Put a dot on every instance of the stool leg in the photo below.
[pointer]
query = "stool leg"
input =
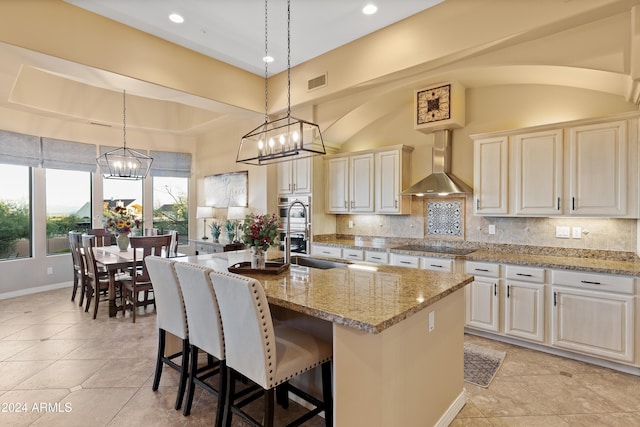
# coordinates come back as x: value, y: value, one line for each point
x: 161, y: 343
x: 282, y: 395
x: 192, y: 384
x: 184, y: 371
x: 327, y: 394
x: 268, y: 408
x: 222, y: 394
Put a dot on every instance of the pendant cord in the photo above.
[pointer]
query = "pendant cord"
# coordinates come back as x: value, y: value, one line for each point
x: 288, y: 58
x: 266, y: 63
x: 124, y: 119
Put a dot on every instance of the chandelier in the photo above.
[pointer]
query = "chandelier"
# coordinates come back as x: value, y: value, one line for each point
x: 282, y: 139
x: 124, y: 163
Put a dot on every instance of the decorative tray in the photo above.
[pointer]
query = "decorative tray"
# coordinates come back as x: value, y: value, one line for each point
x: 269, y: 268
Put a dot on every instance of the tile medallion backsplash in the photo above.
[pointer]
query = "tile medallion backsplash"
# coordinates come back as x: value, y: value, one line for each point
x: 444, y: 218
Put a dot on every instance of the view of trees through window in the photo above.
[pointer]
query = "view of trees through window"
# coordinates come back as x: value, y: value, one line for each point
x: 171, y: 206
x: 68, y: 199
x: 15, y: 212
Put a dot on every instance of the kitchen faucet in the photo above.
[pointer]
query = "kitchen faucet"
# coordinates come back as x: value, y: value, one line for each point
x: 287, y: 238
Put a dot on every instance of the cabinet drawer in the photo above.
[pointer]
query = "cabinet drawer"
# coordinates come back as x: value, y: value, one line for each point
x: 599, y: 282
x: 327, y: 251
x: 377, y: 257
x: 486, y: 269
x: 437, y: 264
x: 406, y: 260
x: 353, y: 254
x: 525, y: 274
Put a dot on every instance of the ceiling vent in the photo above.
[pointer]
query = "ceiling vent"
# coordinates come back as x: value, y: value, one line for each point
x: 317, y: 82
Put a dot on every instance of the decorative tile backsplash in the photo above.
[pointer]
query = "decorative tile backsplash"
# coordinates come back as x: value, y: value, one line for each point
x: 604, y: 234
x: 444, y: 218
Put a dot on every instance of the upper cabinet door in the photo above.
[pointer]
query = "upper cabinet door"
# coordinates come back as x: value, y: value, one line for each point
x: 538, y: 173
x: 388, y: 182
x: 284, y: 177
x: 361, y: 183
x: 598, y: 169
x: 490, y: 176
x: 301, y: 175
x: 337, y: 184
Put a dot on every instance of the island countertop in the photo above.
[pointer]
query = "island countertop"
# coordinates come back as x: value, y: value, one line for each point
x: 360, y: 296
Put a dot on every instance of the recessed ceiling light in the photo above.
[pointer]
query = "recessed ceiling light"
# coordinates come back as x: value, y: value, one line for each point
x: 267, y: 59
x: 177, y: 18
x: 370, y: 9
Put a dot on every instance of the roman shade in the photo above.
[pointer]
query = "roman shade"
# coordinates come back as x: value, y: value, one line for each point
x: 171, y: 164
x: 69, y: 155
x: 19, y: 149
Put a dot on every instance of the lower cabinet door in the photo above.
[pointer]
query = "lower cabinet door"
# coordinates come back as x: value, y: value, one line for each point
x: 482, y: 304
x: 524, y: 310
x: 596, y: 323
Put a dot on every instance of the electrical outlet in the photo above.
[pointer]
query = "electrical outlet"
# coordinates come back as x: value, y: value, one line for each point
x: 350, y: 225
x: 576, y: 232
x: 49, y: 270
x: 562, y: 232
x: 432, y: 321
x: 492, y: 229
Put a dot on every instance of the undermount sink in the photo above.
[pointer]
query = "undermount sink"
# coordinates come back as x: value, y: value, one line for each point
x: 321, y: 264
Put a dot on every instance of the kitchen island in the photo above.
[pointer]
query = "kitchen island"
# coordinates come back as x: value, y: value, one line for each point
x: 398, y: 336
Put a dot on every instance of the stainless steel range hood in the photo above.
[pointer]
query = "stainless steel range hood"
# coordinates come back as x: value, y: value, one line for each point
x: 441, y: 182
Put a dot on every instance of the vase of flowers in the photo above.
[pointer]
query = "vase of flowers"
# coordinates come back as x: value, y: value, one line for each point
x: 121, y: 221
x: 260, y: 232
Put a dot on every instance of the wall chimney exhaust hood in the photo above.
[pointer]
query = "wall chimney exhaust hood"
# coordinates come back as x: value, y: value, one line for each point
x: 441, y: 182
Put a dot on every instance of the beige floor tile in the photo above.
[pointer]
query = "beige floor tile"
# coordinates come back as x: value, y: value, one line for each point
x: 113, y: 348
x: 23, y: 407
x: 61, y: 374
x: 13, y: 373
x: 121, y: 373
x: 6, y: 330
x: 151, y: 408
x: 37, y: 332
x: 470, y: 410
x: 10, y: 348
x: 623, y: 389
x: 603, y: 420
x: 89, y: 407
x: 529, y: 421
x: 506, y: 397
x: 47, y: 350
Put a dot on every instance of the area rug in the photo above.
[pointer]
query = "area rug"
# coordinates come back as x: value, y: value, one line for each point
x: 481, y: 364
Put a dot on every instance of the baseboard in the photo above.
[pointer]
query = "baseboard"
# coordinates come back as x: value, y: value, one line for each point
x: 29, y: 291
x: 455, y: 408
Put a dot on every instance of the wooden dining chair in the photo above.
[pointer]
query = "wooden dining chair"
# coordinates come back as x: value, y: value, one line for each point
x: 97, y: 281
x: 103, y: 237
x: 79, y: 269
x: 139, y: 281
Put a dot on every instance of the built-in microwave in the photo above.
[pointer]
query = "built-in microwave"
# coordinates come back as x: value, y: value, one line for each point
x: 297, y: 216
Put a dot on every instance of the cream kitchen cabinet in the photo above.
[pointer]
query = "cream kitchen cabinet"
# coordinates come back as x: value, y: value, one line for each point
x: 482, y: 296
x: 294, y: 176
x: 593, y: 314
x: 350, y: 184
x: 578, y: 168
x: 537, y: 169
x: 490, y: 175
x: 392, y: 175
x: 524, y: 309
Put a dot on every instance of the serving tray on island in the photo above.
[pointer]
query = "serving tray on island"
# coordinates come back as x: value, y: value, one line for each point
x: 269, y: 268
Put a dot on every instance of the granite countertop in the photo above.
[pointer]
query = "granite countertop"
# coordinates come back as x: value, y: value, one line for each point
x: 359, y: 296
x: 594, y: 261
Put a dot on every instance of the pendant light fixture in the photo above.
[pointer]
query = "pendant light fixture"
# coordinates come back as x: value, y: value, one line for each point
x: 286, y: 138
x: 124, y: 163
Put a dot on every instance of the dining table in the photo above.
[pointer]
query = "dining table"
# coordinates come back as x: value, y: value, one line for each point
x: 114, y: 260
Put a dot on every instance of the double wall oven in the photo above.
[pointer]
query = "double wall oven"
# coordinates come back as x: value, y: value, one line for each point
x: 297, y: 216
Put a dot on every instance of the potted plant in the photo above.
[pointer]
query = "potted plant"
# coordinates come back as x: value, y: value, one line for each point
x: 215, y: 230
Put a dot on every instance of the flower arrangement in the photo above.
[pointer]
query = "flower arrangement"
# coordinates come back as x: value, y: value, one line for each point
x: 260, y: 231
x: 120, y: 220
x: 215, y: 229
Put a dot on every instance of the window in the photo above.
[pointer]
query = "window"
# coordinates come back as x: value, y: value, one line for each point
x: 171, y: 206
x: 68, y: 200
x: 15, y: 212
x: 127, y: 192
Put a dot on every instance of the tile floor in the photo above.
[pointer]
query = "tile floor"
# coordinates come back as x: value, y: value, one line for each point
x: 71, y: 370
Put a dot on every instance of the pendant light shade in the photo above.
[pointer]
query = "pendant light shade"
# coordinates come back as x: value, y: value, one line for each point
x: 124, y: 163
x: 286, y: 138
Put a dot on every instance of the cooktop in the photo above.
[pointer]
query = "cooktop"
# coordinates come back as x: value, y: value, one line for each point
x: 437, y: 249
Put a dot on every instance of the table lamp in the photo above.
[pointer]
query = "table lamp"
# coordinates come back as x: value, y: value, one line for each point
x: 204, y: 212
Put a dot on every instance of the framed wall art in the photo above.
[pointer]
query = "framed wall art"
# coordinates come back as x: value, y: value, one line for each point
x: 226, y: 189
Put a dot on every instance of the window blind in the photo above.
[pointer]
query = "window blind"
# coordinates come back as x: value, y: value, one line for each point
x: 172, y: 164
x: 19, y: 149
x: 69, y: 155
